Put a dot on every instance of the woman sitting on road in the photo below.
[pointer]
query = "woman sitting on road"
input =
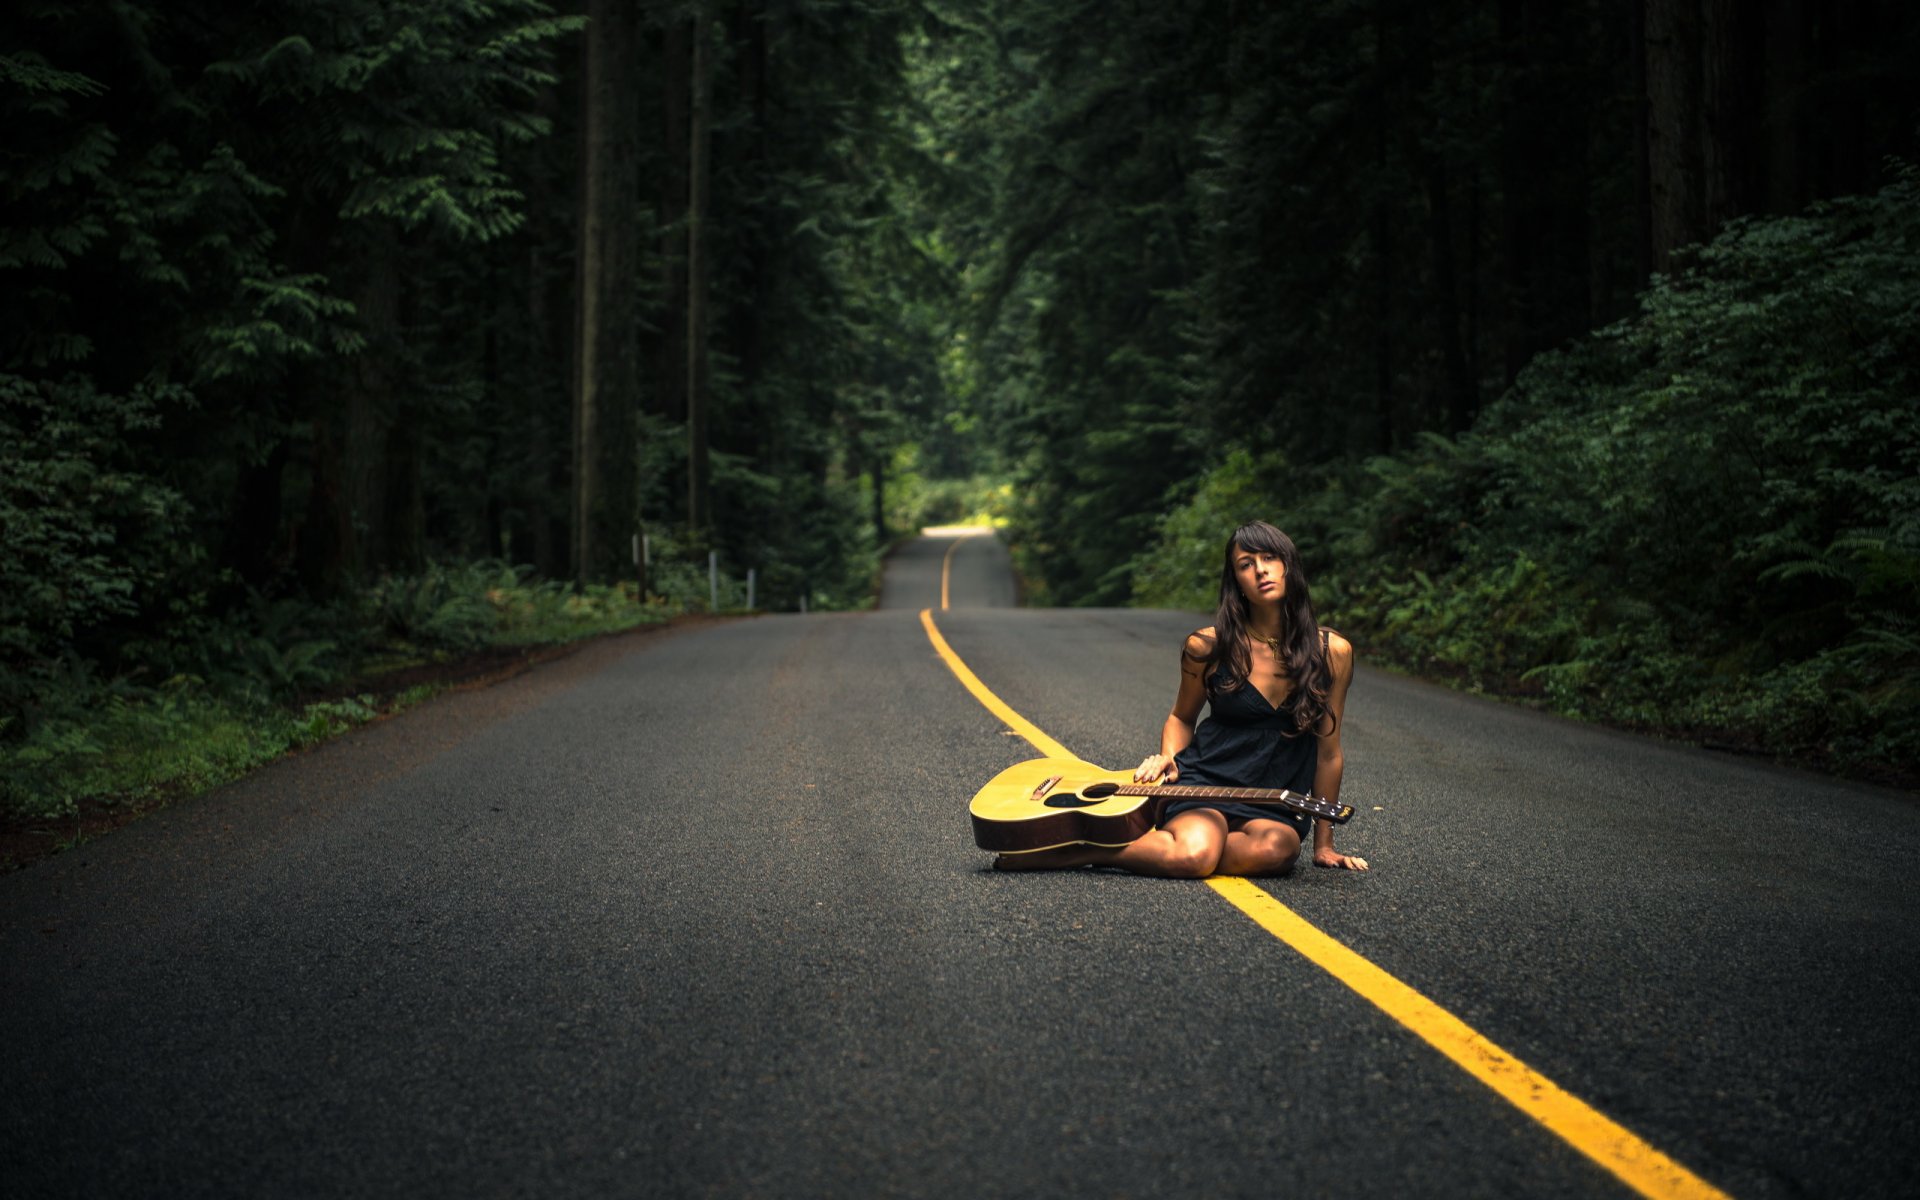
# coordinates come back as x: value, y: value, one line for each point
x: 1276, y: 685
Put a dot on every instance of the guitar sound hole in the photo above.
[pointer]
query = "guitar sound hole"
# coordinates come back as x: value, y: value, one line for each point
x: 1087, y: 796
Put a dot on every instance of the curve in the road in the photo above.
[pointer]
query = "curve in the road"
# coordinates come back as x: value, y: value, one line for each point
x: 948, y: 567
x: 1606, y: 1142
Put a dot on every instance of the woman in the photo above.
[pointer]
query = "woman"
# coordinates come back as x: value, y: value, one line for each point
x: 1276, y: 685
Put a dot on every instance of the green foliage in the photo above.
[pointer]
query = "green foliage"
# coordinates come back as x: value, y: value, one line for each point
x: 915, y: 500
x: 1706, y: 517
x: 529, y: 611
x: 450, y: 608
x: 116, y: 742
x: 121, y: 746
x: 287, y: 340
x: 86, y: 536
x: 444, y: 606
x: 1072, y: 240
x: 1183, y: 568
x: 328, y: 718
x: 413, y: 100
x: 831, y: 299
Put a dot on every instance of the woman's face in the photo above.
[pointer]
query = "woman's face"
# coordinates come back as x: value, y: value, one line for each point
x: 1262, y: 576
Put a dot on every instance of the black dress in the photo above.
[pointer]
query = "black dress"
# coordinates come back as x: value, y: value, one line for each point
x: 1246, y: 742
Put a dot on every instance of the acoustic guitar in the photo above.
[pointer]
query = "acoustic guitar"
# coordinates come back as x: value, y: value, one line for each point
x: 1044, y: 803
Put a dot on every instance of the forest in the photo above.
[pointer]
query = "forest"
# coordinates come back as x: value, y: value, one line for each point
x: 1577, y: 344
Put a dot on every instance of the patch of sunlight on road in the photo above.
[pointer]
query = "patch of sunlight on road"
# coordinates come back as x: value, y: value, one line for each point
x: 955, y: 530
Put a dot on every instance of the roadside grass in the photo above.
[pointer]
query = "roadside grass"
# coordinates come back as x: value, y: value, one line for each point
x: 137, y: 752
x: 279, y: 680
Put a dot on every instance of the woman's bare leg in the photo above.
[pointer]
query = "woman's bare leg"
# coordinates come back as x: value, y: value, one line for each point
x: 1260, y: 848
x: 1187, y: 847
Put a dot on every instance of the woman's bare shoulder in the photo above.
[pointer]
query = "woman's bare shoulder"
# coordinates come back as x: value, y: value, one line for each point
x: 1339, y: 649
x: 1199, y: 643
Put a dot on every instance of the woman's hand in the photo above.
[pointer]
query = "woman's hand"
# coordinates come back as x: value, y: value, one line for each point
x: 1156, y: 767
x: 1333, y: 858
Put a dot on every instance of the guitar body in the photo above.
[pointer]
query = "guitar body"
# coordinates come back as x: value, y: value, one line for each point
x: 1008, y: 819
x: 1045, y: 803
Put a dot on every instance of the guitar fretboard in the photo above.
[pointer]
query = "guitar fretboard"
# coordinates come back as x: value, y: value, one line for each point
x: 1281, y: 797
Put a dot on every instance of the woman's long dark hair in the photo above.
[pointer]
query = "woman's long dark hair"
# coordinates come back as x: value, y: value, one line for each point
x: 1300, y: 645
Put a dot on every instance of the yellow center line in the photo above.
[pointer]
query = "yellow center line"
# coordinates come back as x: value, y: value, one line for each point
x: 995, y: 705
x: 946, y: 573
x: 1608, y: 1144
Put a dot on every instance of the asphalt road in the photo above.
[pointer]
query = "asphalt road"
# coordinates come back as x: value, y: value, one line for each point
x: 697, y: 913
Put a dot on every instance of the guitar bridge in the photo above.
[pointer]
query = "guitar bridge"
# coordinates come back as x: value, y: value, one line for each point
x: 1046, y: 785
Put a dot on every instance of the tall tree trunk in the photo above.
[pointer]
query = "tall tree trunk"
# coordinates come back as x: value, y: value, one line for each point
x: 253, y: 525
x: 529, y: 536
x: 406, y: 515
x: 371, y: 403
x: 540, y: 537
x: 1462, y: 399
x: 765, y: 434
x: 1519, y: 182
x: 1611, y: 193
x: 406, y: 498
x: 1642, y: 147
x: 1475, y: 357
x: 582, y: 430
x: 877, y: 469
x: 317, y: 539
x: 1546, y: 122
x: 1784, y: 133
x: 505, y: 486
x: 1844, y: 39
x: 1731, y: 48
x: 1676, y: 184
x: 676, y: 94
x: 607, y: 407
x: 1423, y: 140
x: 699, y: 390
x: 1572, y: 285
x: 1704, y: 99
x: 325, y: 537
x: 756, y: 82
x: 1385, y: 428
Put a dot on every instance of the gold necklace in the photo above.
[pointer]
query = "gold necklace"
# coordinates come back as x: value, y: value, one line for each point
x: 1273, y: 646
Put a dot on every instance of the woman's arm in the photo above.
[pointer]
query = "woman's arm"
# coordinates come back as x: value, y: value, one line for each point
x: 1332, y: 764
x: 1176, y: 734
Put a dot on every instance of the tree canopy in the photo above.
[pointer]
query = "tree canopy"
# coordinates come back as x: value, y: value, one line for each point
x: 310, y: 303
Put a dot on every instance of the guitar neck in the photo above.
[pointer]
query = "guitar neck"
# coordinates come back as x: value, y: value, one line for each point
x: 1299, y: 802
x: 1187, y: 791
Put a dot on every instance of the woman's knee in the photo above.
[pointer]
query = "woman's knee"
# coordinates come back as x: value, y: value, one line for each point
x: 1191, y: 861
x: 1194, y: 859
x: 1197, y: 840
x: 1275, y: 851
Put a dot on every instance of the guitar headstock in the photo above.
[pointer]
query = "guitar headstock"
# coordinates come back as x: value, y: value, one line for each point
x: 1327, y: 810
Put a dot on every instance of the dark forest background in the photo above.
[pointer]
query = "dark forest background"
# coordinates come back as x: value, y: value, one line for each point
x: 1573, y: 341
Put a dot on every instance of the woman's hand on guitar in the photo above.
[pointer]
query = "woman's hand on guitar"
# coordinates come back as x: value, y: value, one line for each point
x: 1333, y: 858
x: 1156, y: 768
